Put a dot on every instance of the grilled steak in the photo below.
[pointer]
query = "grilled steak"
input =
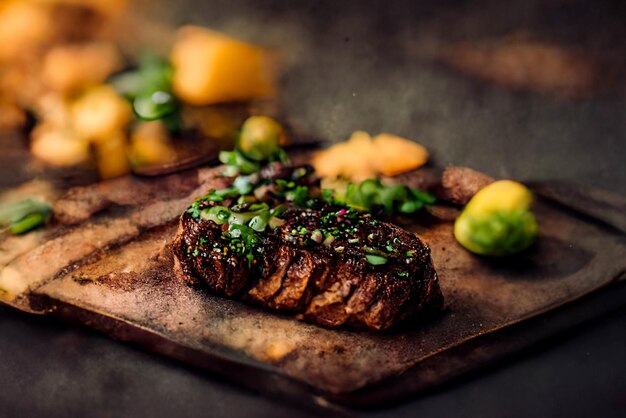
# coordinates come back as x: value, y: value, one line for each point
x: 292, y: 268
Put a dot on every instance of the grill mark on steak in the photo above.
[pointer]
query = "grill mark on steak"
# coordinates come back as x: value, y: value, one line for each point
x: 264, y: 291
x: 225, y: 276
x: 320, y: 284
x: 298, y: 285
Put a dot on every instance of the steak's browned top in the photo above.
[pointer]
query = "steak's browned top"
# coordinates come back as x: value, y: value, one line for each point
x: 327, y: 283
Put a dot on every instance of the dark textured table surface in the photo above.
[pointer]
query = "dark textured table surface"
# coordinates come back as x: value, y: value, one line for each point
x: 365, y: 65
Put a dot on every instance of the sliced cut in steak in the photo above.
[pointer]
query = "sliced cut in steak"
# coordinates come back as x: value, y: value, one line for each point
x: 327, y: 282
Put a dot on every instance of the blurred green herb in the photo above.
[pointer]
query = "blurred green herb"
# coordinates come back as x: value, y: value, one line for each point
x: 373, y: 196
x: 149, y: 90
x: 23, y: 216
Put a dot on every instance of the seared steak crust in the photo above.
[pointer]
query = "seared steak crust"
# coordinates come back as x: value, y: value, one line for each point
x: 330, y: 284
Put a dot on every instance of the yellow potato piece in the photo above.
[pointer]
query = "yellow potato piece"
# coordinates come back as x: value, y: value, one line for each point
x: 500, y: 196
x: 67, y: 68
x: 54, y: 110
x: 100, y: 112
x: 150, y: 144
x: 23, y: 25
x: 362, y: 157
x: 58, y: 146
x: 111, y: 156
x: 213, y: 68
x: 395, y: 155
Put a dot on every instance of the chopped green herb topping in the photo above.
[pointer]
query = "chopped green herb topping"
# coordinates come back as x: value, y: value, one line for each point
x: 149, y: 90
x: 373, y: 196
x: 376, y: 260
x: 23, y: 216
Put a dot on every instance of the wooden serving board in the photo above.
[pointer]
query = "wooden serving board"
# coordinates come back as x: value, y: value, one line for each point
x: 130, y: 292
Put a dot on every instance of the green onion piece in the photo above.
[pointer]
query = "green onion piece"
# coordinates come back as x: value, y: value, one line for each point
x: 317, y: 236
x: 22, y: 216
x: 217, y: 214
x: 153, y: 74
x: 154, y: 105
x: 239, y: 218
x: 149, y: 90
x: 228, y: 157
x: 278, y: 210
x: 369, y: 187
x: 411, y: 206
x: 373, y: 196
x: 237, y: 163
x: 257, y: 223
x: 425, y: 197
x: 246, y: 166
x: 259, y: 207
x: 245, y: 199
x: 328, y: 240
x: 15, y: 211
x: 375, y: 251
x: 376, y: 260
x: 28, y: 223
x: 243, y: 185
x: 243, y: 217
x: 299, y: 196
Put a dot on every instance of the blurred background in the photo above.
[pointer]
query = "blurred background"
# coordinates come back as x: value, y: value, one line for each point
x: 528, y: 90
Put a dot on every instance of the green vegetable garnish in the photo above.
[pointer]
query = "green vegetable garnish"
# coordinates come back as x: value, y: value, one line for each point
x: 237, y: 163
x: 258, y: 223
x: 243, y: 241
x: 154, y: 105
x: 23, y: 216
x: 259, y: 138
x: 243, y: 185
x: 373, y: 196
x: 217, y: 214
x: 498, y: 220
x: 256, y: 145
x: 376, y: 260
x: 149, y: 90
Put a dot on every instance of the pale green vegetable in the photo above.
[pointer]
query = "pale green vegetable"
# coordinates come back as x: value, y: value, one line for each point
x: 498, y: 220
x: 260, y: 137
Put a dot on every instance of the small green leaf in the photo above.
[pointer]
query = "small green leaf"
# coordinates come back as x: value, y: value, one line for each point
x: 376, y: 260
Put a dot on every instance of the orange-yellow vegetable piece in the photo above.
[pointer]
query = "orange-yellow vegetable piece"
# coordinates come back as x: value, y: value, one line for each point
x: 363, y: 157
x: 395, y: 155
x: 111, y: 156
x: 58, y: 146
x: 150, y: 144
x: 23, y: 25
x: 68, y: 68
x: 99, y: 112
x: 210, y: 67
